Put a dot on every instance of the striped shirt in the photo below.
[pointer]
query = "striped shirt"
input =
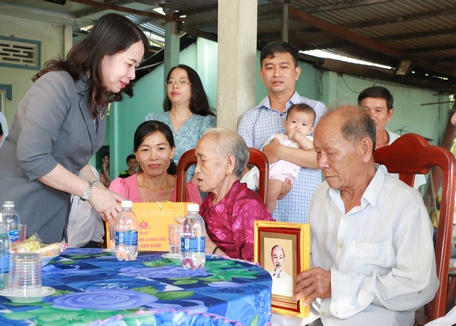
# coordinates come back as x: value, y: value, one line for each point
x: 256, y: 126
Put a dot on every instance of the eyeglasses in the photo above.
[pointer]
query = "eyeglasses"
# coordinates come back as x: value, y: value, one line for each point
x: 180, y: 83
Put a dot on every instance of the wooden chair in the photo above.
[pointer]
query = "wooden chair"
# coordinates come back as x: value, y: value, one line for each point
x: 257, y: 158
x: 409, y: 155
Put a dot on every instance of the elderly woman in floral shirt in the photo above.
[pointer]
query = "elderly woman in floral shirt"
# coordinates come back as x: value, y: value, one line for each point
x: 230, y: 207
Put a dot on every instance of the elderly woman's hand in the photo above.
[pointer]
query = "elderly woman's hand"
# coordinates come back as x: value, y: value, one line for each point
x: 212, y: 248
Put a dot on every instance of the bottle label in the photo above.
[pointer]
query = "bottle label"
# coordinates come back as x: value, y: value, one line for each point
x: 128, y: 238
x: 4, y: 264
x: 193, y: 244
x: 13, y: 235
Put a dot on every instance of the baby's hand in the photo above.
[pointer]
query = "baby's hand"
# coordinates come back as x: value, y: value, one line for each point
x: 292, y: 134
x: 295, y: 135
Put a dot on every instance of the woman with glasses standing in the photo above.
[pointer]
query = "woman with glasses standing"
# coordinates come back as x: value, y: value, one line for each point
x: 187, y: 110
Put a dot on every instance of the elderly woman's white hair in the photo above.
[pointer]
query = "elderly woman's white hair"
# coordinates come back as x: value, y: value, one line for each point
x: 228, y: 142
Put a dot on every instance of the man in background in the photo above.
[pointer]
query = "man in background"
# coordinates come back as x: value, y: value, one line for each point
x: 378, y: 102
x: 279, y: 72
x: 132, y: 164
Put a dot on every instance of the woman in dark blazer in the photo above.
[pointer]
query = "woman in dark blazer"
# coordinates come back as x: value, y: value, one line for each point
x: 60, y: 124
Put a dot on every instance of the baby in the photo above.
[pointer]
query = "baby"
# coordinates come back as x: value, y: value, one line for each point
x: 298, y: 125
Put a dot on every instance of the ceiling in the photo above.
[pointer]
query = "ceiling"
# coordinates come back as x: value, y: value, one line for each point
x: 417, y: 38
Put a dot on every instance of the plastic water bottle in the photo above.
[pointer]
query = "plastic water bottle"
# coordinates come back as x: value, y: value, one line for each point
x: 126, y: 233
x: 4, y: 256
x: 112, y: 235
x: 193, y: 239
x: 11, y: 220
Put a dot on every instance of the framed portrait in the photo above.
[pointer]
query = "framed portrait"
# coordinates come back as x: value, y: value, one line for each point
x: 283, y: 249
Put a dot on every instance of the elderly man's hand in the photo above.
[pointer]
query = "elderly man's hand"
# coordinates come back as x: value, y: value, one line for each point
x: 271, y: 151
x: 312, y: 284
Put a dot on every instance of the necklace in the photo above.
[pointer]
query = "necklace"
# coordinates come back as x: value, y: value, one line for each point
x: 102, y: 113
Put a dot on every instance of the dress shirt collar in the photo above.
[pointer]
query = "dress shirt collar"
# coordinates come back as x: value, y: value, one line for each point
x: 295, y: 99
x: 370, y: 195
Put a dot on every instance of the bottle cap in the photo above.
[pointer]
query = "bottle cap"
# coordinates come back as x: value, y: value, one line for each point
x: 126, y: 203
x: 8, y: 203
x: 193, y: 208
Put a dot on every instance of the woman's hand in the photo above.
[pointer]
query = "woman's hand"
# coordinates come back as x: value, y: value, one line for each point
x: 106, y: 203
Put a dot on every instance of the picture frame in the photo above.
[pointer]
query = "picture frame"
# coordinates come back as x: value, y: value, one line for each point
x: 283, y: 247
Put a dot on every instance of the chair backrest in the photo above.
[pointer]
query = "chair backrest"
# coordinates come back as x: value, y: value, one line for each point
x: 411, y: 154
x: 257, y: 158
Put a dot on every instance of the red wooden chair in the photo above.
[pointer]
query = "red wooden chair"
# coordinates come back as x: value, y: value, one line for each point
x: 257, y: 158
x: 409, y: 155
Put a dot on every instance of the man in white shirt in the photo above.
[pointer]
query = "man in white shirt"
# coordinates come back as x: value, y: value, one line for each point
x: 282, y: 283
x: 378, y: 103
x: 371, y: 236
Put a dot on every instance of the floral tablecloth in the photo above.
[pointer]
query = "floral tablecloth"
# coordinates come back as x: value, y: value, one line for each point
x: 93, y: 288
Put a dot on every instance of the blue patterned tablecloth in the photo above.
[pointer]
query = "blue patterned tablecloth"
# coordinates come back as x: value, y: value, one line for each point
x: 93, y: 288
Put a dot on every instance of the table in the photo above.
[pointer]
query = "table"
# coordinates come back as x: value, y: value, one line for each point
x: 93, y: 288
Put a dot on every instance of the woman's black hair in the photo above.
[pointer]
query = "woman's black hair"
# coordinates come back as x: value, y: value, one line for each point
x: 111, y: 34
x: 199, y: 103
x: 147, y: 128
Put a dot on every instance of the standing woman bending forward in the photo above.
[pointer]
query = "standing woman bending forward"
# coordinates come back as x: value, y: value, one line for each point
x: 60, y: 124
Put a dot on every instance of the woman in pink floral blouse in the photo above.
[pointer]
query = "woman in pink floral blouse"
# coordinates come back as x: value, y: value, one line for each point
x: 230, y: 208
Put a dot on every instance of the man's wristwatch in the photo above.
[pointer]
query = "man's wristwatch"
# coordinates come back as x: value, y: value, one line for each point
x: 88, y: 191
